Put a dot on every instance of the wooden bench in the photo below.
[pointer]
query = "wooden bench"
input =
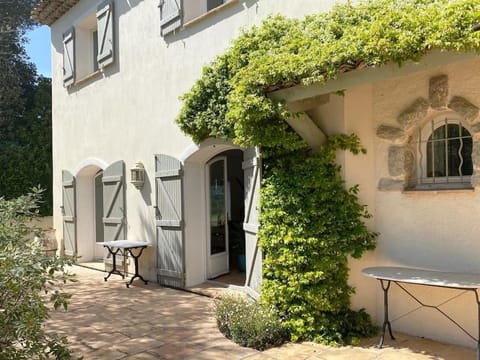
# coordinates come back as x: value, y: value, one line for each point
x: 402, y: 275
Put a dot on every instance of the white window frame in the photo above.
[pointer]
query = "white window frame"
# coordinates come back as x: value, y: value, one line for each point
x: 85, y: 55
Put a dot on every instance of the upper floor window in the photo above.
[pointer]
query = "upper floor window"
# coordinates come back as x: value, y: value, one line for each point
x: 444, y: 155
x: 212, y: 4
x: 89, y: 45
x: 86, y: 46
x: 174, y: 13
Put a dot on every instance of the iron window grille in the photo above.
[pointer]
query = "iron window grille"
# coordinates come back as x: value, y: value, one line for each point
x: 444, y: 155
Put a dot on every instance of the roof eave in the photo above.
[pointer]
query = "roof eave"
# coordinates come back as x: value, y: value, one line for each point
x: 48, y: 11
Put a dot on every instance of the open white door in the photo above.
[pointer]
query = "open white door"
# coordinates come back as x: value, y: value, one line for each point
x: 217, y: 226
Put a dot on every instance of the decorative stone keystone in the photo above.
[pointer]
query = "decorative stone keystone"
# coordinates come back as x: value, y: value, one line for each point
x: 412, y: 115
x: 387, y: 184
x: 464, y: 108
x: 390, y: 133
x: 400, y: 161
x: 438, y: 91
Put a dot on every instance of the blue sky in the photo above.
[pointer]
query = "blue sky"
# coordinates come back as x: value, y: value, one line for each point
x: 38, y: 49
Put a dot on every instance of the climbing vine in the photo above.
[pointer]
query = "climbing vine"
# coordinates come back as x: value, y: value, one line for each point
x: 310, y: 223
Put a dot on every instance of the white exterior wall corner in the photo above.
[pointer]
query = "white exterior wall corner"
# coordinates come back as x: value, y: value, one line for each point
x: 127, y: 112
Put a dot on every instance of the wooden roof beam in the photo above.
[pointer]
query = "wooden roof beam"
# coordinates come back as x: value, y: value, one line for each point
x: 308, y: 130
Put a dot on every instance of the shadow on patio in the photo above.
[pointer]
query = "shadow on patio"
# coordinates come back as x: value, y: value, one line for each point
x: 105, y: 320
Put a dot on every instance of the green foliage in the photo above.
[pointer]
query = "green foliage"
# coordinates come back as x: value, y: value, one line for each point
x: 229, y: 100
x: 248, y: 323
x: 16, y: 72
x: 30, y: 280
x: 25, y: 110
x: 26, y: 148
x: 310, y: 223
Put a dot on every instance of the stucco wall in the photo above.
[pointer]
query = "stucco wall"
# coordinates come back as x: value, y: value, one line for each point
x: 127, y: 112
x: 44, y: 222
x: 423, y: 229
x: 434, y: 230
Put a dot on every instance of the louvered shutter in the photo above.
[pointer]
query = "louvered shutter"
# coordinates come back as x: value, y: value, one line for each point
x: 169, y: 221
x: 114, y: 201
x: 170, y: 16
x: 69, y: 213
x: 69, y: 57
x: 252, y: 170
x: 105, y: 34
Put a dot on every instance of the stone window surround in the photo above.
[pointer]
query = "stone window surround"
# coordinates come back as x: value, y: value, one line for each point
x: 401, y: 152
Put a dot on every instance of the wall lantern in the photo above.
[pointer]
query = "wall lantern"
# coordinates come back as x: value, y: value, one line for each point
x: 137, y: 175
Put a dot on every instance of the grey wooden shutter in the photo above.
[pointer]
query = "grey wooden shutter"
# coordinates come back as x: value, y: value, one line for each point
x: 169, y: 221
x: 170, y: 16
x: 105, y: 34
x: 69, y: 57
x: 252, y: 170
x: 114, y: 201
x: 69, y: 213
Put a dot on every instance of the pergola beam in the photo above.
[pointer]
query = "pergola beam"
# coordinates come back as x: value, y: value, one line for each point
x: 308, y: 130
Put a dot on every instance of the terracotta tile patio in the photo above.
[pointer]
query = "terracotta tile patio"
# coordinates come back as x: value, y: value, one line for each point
x: 106, y: 320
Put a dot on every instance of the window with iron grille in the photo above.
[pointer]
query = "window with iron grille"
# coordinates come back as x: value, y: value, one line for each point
x: 444, y: 155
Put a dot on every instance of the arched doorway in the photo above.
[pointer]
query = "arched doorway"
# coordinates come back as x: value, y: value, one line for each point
x: 240, y: 227
x: 93, y: 209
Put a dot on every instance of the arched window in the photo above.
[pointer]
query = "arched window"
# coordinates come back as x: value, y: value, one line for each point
x: 444, y: 155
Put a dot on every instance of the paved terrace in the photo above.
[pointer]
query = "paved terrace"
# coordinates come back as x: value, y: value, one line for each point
x: 106, y: 320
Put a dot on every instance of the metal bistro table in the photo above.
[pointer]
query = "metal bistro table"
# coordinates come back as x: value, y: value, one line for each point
x: 125, y: 247
x: 400, y: 275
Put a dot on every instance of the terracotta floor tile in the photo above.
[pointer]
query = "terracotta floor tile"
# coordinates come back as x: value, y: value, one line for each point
x: 105, y: 320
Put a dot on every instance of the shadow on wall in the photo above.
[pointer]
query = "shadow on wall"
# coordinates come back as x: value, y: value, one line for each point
x: 148, y: 259
x: 147, y: 232
x: 146, y: 191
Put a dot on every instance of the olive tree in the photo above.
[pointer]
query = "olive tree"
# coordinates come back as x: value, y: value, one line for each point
x: 30, y: 284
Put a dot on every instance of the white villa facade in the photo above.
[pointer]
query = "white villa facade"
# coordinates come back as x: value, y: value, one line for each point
x: 119, y: 68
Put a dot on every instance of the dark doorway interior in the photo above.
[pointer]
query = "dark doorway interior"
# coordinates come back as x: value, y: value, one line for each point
x: 236, y: 214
